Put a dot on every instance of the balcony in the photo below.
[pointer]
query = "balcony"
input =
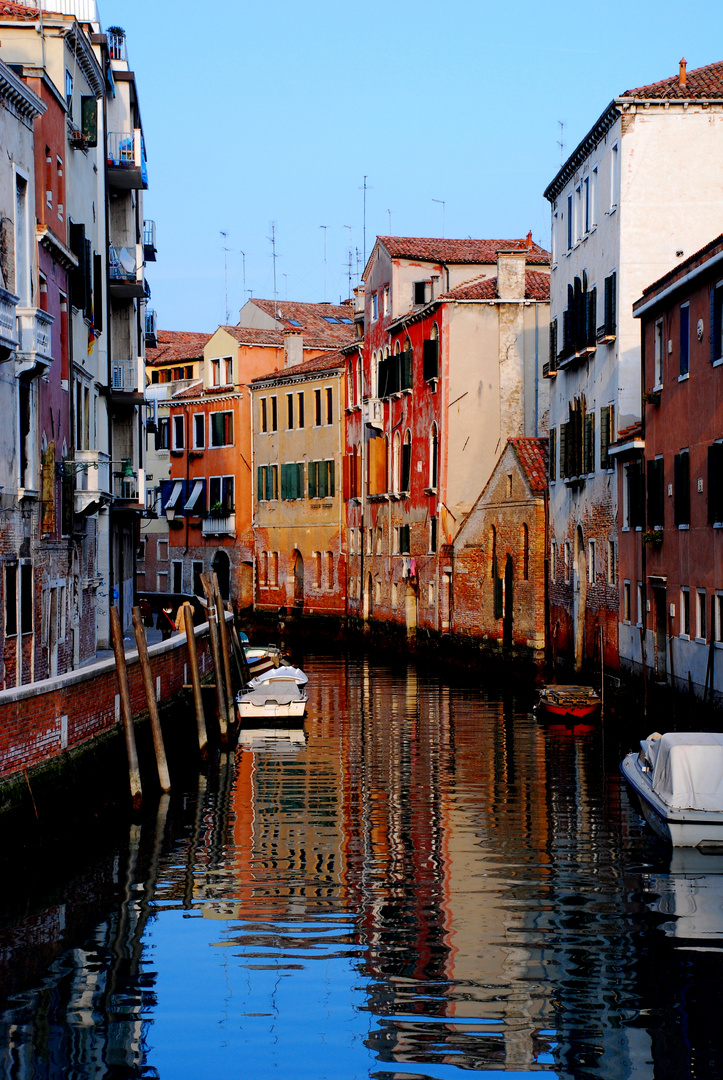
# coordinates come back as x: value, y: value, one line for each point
x: 373, y: 412
x: 116, y: 45
x: 92, y: 480
x: 125, y: 487
x: 126, y: 157
x: 125, y: 384
x: 149, y: 241
x: 34, y: 350
x: 8, y: 325
x: 125, y: 264
x: 219, y: 526
x: 151, y: 329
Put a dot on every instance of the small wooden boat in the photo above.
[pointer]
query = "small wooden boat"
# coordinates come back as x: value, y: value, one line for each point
x: 276, y: 694
x: 569, y: 703
x: 678, y: 778
x: 261, y: 658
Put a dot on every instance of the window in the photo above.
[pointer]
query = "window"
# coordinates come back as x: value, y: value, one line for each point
x: 69, y: 92
x: 289, y: 412
x: 292, y: 480
x: 589, y: 444
x: 701, y: 628
x: 317, y: 408
x: 612, y: 564
x: 681, y: 488
x: 176, y: 576
x: 404, y: 540
x: 199, y: 431
x: 593, y: 198
x: 614, y: 177
x: 433, y: 456
x: 222, y: 428
x: 162, y: 551
x: 370, y: 540
x: 641, y: 605
x: 352, y: 539
x: 578, y: 214
x: 719, y: 617
x: 553, y: 560
x: 11, y: 599
x: 274, y: 414
x: 222, y: 371
x: 330, y: 570
x: 179, y: 429
x: 591, y: 562
x: 300, y: 409
x: 716, y: 323
x: 316, y: 563
x: 395, y: 594
x: 267, y: 482
x: 658, y: 353
x: 430, y: 355
x: 656, y: 512
x: 263, y: 417
x: 420, y: 292
x: 433, y: 534
x: 196, y: 571
x: 586, y: 203
x: 163, y: 433
x: 321, y: 479
x: 375, y: 306
x: 607, y: 434
x: 329, y: 405
x: 26, y: 598
x: 685, y: 612
x: 385, y: 300
x: 430, y: 594
x: 570, y: 236
x: 273, y: 568
x: 220, y: 494
x: 626, y: 602
x: 553, y: 454
x: 380, y: 540
x: 715, y: 483
x: 568, y: 560
x: 610, y: 305
x: 406, y: 470
x: 633, y: 502
x: 684, y: 339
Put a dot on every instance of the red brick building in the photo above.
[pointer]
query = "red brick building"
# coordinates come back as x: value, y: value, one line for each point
x: 499, y: 556
x: 670, y: 479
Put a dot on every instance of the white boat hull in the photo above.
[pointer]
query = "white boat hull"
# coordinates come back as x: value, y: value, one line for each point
x: 681, y: 828
x: 270, y: 710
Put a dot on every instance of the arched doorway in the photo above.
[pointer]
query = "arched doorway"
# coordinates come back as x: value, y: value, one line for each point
x: 507, y: 617
x: 298, y: 580
x: 368, y: 601
x: 221, y: 567
x: 579, y: 597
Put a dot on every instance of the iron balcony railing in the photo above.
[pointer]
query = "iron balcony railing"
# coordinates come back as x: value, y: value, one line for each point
x: 219, y: 526
x: 8, y: 324
x: 122, y: 263
x: 116, y: 46
x: 125, y: 376
x: 126, y: 150
x: 149, y: 241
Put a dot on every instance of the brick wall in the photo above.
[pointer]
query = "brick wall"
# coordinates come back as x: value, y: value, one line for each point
x: 40, y: 721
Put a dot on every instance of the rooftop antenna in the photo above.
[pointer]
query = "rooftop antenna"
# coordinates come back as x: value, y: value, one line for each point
x: 365, y: 188
x: 443, y: 209
x: 274, y: 256
x: 225, y: 271
x: 390, y: 221
x: 286, y: 286
x: 350, y: 274
x: 324, y: 228
x: 243, y: 256
x: 561, y: 141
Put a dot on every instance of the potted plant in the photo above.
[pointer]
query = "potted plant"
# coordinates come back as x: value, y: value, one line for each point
x: 653, y: 537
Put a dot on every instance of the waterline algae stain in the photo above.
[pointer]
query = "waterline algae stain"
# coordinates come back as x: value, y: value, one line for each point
x: 421, y: 882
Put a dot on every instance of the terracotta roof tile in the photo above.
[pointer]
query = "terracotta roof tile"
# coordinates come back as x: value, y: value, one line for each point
x: 192, y: 391
x: 432, y: 249
x: 320, y: 324
x: 19, y: 11
x: 181, y: 348
x: 532, y: 454
x: 326, y: 362
x: 537, y: 287
x: 252, y: 335
x: 701, y: 83
x: 172, y: 337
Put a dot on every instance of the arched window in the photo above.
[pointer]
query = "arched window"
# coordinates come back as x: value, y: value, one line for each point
x: 430, y: 359
x: 493, y: 552
x: 406, y: 471
x: 525, y: 553
x: 396, y: 462
x: 433, y: 456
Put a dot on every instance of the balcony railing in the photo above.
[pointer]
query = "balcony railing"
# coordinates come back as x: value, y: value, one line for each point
x: 125, y: 376
x: 8, y: 325
x: 149, y: 241
x: 116, y: 46
x: 219, y: 526
x: 34, y: 333
x: 122, y: 262
x: 125, y: 481
x: 151, y: 329
x: 127, y: 155
x: 373, y: 410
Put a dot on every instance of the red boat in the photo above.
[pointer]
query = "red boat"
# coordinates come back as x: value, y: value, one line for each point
x: 569, y: 703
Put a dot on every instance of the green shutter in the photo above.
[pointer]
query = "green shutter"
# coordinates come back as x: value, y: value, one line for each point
x: 323, y: 479
x: 285, y: 482
x: 313, y: 479
x: 260, y: 482
x: 331, y: 477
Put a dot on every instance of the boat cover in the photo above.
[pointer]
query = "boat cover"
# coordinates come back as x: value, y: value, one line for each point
x: 284, y: 673
x: 278, y: 694
x: 688, y: 771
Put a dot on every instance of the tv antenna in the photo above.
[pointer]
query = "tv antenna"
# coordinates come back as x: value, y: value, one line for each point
x: 443, y: 203
x: 561, y: 141
x: 364, y: 188
x: 225, y: 271
x: 274, y: 256
x: 389, y: 214
x: 243, y: 271
x: 324, y: 228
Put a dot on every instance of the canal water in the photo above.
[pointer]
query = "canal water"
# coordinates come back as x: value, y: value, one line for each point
x: 423, y: 881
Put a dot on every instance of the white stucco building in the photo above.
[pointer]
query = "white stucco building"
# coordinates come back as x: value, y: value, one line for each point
x: 641, y: 191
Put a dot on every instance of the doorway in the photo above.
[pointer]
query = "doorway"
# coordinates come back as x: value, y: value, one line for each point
x: 579, y: 601
x: 298, y: 580
x: 507, y: 615
x: 221, y: 567
x: 660, y: 599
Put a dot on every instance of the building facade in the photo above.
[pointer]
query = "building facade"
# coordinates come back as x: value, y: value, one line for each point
x: 670, y: 473
x: 299, y: 519
x: 455, y: 335
x: 639, y: 193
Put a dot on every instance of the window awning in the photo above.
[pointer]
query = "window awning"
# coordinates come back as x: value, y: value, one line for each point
x: 192, y: 503
x: 175, y: 495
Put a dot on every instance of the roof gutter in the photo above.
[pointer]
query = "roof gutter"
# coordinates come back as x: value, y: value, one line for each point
x: 642, y: 306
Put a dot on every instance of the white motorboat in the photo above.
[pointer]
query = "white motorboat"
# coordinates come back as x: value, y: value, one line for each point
x: 678, y: 778
x: 278, y: 693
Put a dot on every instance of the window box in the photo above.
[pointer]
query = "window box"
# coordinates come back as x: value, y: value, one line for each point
x: 652, y: 538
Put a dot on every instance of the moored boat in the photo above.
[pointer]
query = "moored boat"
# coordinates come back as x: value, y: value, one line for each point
x: 277, y: 694
x: 678, y: 778
x: 571, y: 703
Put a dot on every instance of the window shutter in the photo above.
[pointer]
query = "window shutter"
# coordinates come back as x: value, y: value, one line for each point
x: 313, y: 479
x: 323, y: 479
x: 89, y: 119
x: 553, y: 454
x: 553, y: 345
x: 715, y: 483
x: 592, y: 317
x: 604, y: 436
x: 681, y: 488
x: 563, y: 451
x: 589, y: 447
x: 656, y: 511
x: 260, y: 482
x: 97, y: 293
x: 713, y: 337
x: 284, y: 481
x: 77, y: 276
x: 330, y: 466
x: 430, y: 361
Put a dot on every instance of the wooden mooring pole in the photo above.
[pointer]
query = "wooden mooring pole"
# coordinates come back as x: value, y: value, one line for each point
x: 225, y: 648
x: 216, y: 657
x: 126, y: 711
x: 195, y: 681
x: 164, y: 778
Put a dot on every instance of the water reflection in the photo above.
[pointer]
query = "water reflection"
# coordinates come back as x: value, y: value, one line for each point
x: 423, y: 879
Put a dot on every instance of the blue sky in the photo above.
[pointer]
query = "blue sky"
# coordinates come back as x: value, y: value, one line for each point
x: 275, y: 112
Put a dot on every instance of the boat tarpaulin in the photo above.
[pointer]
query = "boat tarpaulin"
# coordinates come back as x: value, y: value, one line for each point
x: 688, y: 773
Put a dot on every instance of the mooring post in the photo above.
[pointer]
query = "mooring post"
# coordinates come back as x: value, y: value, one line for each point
x: 602, y: 672
x: 126, y: 711
x: 241, y: 661
x: 196, y: 681
x: 216, y: 657
x: 163, y: 776
x: 225, y: 648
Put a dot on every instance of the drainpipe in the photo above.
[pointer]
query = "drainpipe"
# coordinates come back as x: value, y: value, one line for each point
x: 537, y: 368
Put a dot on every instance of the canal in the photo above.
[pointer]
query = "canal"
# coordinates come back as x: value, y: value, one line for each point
x: 425, y: 880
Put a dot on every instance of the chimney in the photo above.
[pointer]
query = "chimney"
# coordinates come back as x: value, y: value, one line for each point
x: 528, y: 241
x: 682, y: 74
x: 293, y: 348
x: 511, y: 274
